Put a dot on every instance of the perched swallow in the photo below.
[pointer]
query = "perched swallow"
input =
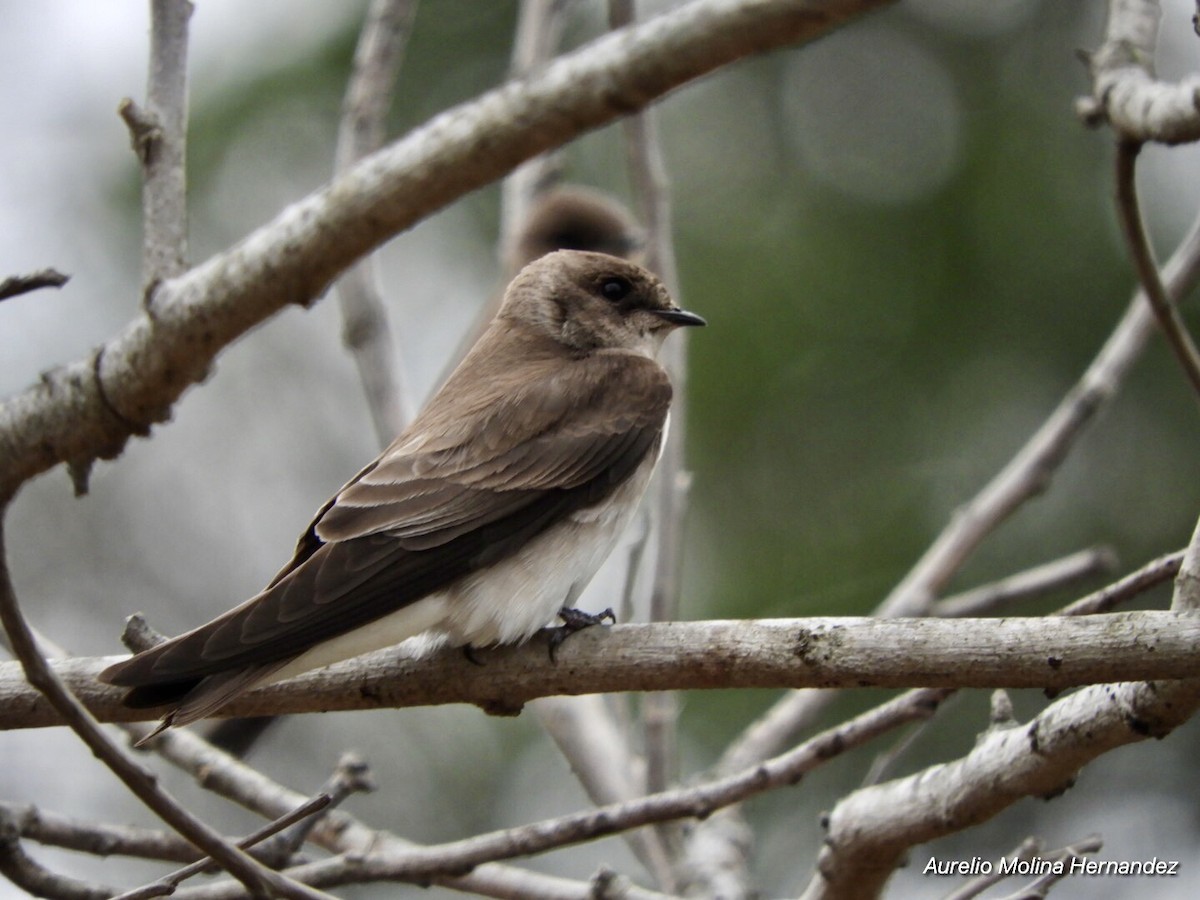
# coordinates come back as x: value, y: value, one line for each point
x: 484, y: 519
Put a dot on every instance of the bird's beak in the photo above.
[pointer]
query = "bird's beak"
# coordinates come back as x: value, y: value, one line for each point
x: 679, y: 316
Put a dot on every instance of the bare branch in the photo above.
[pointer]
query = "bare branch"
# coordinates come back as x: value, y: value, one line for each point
x: 1038, y: 652
x: 29, y: 875
x: 1153, y: 573
x: 160, y: 137
x: 1043, y: 579
x: 88, y: 409
x: 365, y: 330
x: 1027, y: 474
x: 16, y: 285
x: 168, y: 883
x: 787, y: 716
x: 417, y: 864
x: 540, y: 27
x: 352, y: 776
x: 43, y: 679
x: 601, y: 758
x: 871, y: 829
x: 340, y: 832
x: 97, y: 838
x: 1129, y: 213
x: 1125, y: 93
x: 648, y: 177
x: 1030, y: 471
x: 1029, y: 849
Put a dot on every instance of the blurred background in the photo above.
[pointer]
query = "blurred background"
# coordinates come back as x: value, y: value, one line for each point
x: 903, y: 241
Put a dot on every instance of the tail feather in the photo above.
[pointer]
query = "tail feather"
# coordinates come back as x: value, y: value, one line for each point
x: 195, y: 698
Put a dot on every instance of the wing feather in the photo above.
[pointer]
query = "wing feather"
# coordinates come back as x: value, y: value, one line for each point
x: 430, y: 511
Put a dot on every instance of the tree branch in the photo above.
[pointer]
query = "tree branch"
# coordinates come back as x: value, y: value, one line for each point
x: 418, y: 864
x: 1129, y: 212
x: 540, y: 26
x: 160, y: 139
x: 871, y: 829
x: 1053, y: 653
x: 101, y: 839
x: 44, y: 681
x: 364, y: 112
x: 89, y: 409
x: 1052, y: 576
x: 15, y: 285
x: 1125, y: 93
x: 29, y: 875
x: 340, y: 832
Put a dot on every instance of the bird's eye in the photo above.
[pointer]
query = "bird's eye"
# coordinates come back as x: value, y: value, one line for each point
x: 615, y: 289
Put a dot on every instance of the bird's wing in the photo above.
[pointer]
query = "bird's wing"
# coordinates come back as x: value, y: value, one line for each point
x: 441, y: 503
x: 574, y: 427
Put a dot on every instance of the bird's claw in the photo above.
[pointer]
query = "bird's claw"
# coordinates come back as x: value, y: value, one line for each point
x: 575, y: 620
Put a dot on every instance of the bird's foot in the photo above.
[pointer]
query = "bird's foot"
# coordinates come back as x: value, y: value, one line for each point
x: 575, y: 620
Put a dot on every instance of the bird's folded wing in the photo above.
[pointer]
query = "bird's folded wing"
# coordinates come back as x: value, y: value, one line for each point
x: 573, y: 428
x: 421, y: 518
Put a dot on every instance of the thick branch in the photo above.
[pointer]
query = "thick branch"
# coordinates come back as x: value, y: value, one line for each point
x: 1037, y: 652
x: 872, y: 828
x: 88, y: 409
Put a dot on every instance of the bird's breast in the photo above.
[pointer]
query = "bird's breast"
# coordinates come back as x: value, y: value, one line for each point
x: 512, y: 599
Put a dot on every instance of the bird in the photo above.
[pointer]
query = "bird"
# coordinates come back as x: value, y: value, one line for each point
x: 484, y: 519
x: 563, y: 217
x: 575, y: 217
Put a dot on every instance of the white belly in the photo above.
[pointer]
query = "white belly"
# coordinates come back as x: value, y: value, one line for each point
x: 507, y: 602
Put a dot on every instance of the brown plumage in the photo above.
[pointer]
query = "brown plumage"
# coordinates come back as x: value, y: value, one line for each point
x: 479, y: 522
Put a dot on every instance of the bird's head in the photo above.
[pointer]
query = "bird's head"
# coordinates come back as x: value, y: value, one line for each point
x: 593, y: 301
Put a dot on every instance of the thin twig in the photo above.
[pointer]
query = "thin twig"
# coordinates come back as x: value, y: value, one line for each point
x: 701, y: 800
x: 1044, y: 579
x: 1148, y: 576
x: 365, y: 331
x: 16, y: 285
x: 871, y: 829
x: 351, y: 776
x: 163, y: 147
x: 540, y: 27
x: 168, y: 883
x: 100, y: 838
x: 1129, y: 212
x: 340, y: 832
x: 1028, y: 848
x: 1040, y: 887
x: 140, y: 780
x: 648, y: 177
